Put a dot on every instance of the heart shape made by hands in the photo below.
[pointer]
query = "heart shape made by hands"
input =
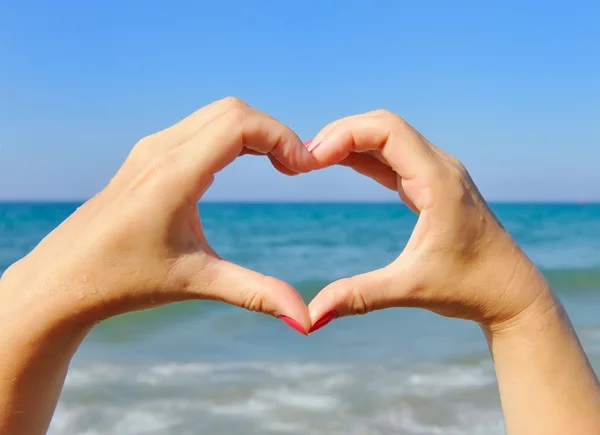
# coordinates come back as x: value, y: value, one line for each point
x: 456, y: 245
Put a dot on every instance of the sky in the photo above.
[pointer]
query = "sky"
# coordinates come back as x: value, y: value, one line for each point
x: 511, y: 88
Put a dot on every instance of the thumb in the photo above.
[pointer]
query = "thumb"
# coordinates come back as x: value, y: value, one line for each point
x: 359, y: 294
x: 236, y: 285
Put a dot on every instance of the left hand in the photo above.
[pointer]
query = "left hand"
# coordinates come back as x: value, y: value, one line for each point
x: 140, y: 243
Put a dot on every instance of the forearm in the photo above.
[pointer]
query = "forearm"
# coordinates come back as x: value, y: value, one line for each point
x: 547, y: 385
x: 37, y: 342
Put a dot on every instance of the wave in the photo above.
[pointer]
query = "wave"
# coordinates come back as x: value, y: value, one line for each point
x: 263, y: 397
x: 566, y: 281
x: 139, y: 324
x: 574, y: 280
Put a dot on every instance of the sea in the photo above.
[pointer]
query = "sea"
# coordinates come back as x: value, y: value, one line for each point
x: 208, y: 368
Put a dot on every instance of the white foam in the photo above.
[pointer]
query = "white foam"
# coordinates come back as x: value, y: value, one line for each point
x: 477, y: 422
x: 279, y: 426
x: 252, y: 408
x: 298, y: 398
x: 137, y: 421
x: 303, y: 400
x: 455, y: 378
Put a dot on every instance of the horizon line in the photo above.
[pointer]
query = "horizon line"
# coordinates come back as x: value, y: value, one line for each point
x: 315, y: 201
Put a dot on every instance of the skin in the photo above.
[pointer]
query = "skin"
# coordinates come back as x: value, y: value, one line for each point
x: 140, y: 244
x: 460, y: 262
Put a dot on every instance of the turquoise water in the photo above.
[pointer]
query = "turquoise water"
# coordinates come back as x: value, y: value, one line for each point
x: 203, y: 367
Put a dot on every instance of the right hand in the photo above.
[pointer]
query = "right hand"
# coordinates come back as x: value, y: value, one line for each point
x: 459, y: 262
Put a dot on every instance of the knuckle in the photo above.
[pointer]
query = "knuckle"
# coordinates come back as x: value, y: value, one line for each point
x: 459, y: 165
x: 143, y: 148
x: 457, y: 189
x: 254, y: 297
x: 382, y: 112
x: 146, y: 142
x: 388, y: 114
x: 237, y: 114
x: 234, y: 117
x: 233, y: 103
x: 253, y: 301
x: 358, y: 302
x: 456, y: 175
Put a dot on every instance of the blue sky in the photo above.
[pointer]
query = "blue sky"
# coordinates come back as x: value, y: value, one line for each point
x: 512, y: 88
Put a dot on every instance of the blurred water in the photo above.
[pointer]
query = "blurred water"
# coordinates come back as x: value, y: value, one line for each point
x: 203, y: 367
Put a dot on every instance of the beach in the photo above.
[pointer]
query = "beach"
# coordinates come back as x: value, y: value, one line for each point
x: 205, y: 367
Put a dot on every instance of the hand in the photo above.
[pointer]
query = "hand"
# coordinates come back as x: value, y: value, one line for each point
x: 140, y: 243
x: 459, y: 261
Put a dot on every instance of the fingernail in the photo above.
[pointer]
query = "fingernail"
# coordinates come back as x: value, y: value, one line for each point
x: 323, y: 321
x: 313, y: 146
x: 293, y: 324
x: 308, y: 142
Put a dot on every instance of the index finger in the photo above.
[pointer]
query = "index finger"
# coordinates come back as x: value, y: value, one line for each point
x: 221, y: 141
x: 399, y: 144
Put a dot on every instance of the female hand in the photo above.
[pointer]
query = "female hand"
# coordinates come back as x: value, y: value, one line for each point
x: 140, y: 243
x: 137, y: 244
x: 459, y: 261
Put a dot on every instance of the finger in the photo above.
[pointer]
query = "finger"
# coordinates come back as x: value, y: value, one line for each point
x: 399, y: 144
x: 178, y: 133
x: 371, y: 167
x: 331, y: 126
x: 222, y: 140
x: 359, y: 294
x: 158, y: 144
x: 368, y: 165
x: 187, y: 127
x: 236, y: 285
x: 247, y: 151
x: 217, y: 145
x: 280, y: 166
x: 419, y: 167
x: 276, y: 163
x: 378, y: 156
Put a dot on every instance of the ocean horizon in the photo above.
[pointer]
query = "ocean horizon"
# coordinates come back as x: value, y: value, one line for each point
x: 315, y: 201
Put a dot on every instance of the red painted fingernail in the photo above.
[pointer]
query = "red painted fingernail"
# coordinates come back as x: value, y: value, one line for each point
x: 313, y: 146
x: 323, y: 321
x: 293, y: 324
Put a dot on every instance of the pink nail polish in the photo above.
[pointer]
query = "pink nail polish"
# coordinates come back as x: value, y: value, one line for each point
x: 313, y: 146
x: 293, y: 324
x: 323, y: 321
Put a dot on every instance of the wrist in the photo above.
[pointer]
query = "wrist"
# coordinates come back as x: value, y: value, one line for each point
x: 534, y: 307
x: 518, y: 291
x: 30, y: 306
x: 541, y: 367
x: 39, y: 339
